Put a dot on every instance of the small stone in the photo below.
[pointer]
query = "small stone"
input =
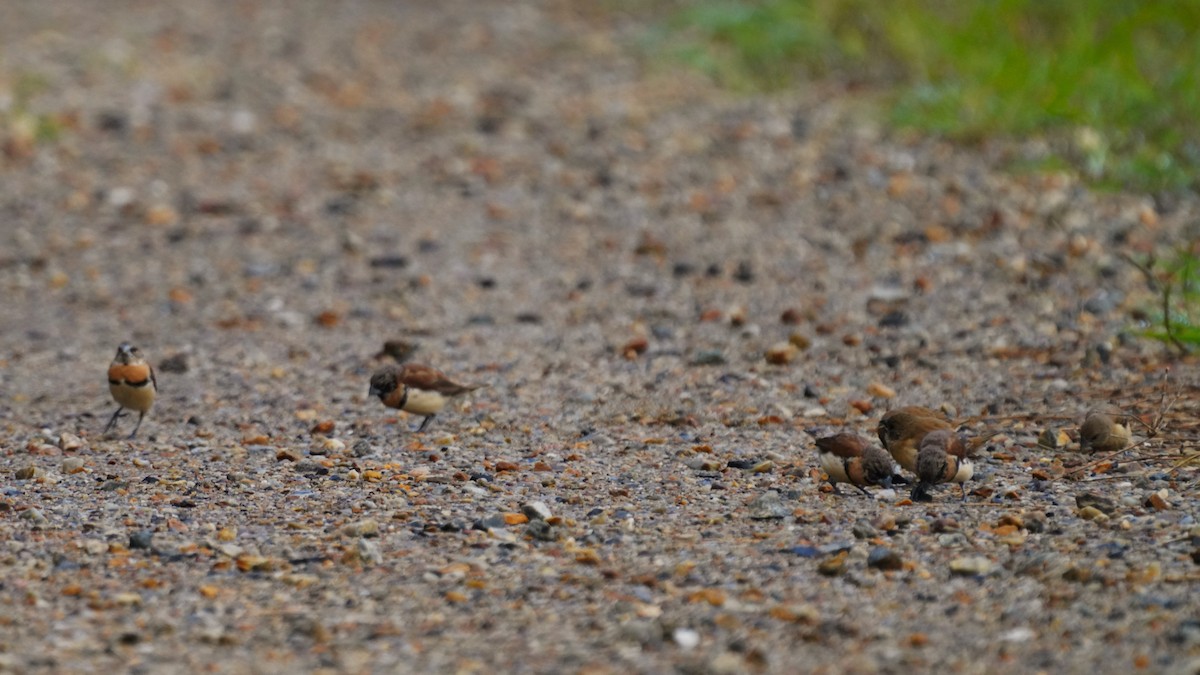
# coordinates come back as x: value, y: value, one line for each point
x: 34, y: 515
x: 541, y: 530
x: 536, y: 511
x: 1093, y: 513
x: 781, y: 353
x: 952, y: 539
x: 686, y: 638
x: 141, y: 539
x: 884, y: 558
x: 26, y: 472
x: 68, y: 442
x: 833, y: 566
x: 708, y: 357
x: 492, y: 522
x: 367, y: 527
x: 1077, y: 574
x: 864, y: 530
x: 175, y: 363
x: 368, y: 551
x: 1158, y: 501
x: 804, y: 614
x: 970, y: 566
x: 805, y: 551
x: 880, y: 390
x: 1051, y: 438
x: 765, y: 466
x: 635, y: 347
x: 1100, y: 503
x: 72, y: 465
x: 362, y: 448
x: 1022, y: 634
x: 861, y: 405
x: 768, y: 506
x: 399, y: 349
x: 127, y: 599
x: 727, y: 663
x: 800, y: 340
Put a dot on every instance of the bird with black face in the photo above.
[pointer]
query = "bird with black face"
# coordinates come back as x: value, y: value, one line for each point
x: 941, y: 459
x: 131, y: 383
x: 416, y: 388
x: 850, y: 458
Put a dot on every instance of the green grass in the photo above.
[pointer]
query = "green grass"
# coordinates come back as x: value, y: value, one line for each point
x: 1176, y: 282
x: 1114, y: 85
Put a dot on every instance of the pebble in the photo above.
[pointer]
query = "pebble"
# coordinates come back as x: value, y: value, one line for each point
x: 141, y: 539
x: 68, y: 441
x: 768, y: 506
x: 362, y: 448
x: 805, y: 551
x: 864, y: 530
x: 1093, y: 513
x: 368, y: 551
x: 832, y: 566
x: 536, y: 510
x: 884, y: 558
x: 34, y: 514
x: 765, y: 466
x: 1158, y: 501
x: 1098, y: 502
x: 952, y: 539
x: 26, y: 472
x: 368, y: 527
x: 835, y: 547
x: 781, y: 353
x: 72, y: 465
x: 540, y: 530
x: 880, y: 390
x: 493, y: 522
x: 708, y: 357
x: 970, y: 566
x: 686, y: 638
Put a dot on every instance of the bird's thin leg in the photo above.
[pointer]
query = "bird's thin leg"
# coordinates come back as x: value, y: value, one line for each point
x: 424, y: 423
x: 138, y: 425
x: 964, y: 491
x: 113, y: 420
x: 863, y: 490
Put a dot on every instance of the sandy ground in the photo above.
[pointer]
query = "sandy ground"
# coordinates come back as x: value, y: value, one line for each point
x: 261, y: 196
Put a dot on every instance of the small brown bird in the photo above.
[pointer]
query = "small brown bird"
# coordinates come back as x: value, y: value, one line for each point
x: 132, y: 384
x: 415, y: 388
x: 850, y: 458
x: 1101, y: 433
x: 901, y: 431
x: 941, y: 459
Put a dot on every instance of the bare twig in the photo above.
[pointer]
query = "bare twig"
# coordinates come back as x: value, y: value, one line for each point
x: 1103, y: 459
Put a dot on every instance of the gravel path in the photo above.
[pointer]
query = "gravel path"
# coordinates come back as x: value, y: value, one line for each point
x: 261, y: 197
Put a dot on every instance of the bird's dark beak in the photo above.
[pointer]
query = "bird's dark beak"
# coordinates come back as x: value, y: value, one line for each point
x: 374, y: 392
